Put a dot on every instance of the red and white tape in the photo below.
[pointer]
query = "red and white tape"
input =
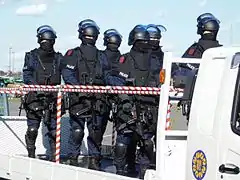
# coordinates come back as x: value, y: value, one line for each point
x: 125, y: 88
x: 58, y: 128
x: 168, y: 119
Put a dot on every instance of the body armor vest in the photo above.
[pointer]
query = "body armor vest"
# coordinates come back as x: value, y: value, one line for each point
x: 112, y: 57
x: 145, y: 76
x: 89, y: 70
x: 48, y: 72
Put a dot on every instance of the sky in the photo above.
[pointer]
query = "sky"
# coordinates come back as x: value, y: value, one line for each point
x: 19, y: 20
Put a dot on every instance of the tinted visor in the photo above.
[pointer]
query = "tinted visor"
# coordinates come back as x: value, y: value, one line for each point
x: 160, y: 27
x: 112, y: 32
x: 206, y: 16
x: 46, y: 28
x: 86, y: 23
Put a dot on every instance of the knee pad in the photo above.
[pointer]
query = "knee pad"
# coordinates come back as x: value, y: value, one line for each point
x: 120, y: 157
x: 32, y: 133
x: 77, y: 135
x: 31, y: 136
x: 120, y: 151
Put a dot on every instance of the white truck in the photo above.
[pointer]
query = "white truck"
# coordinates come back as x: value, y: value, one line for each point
x: 209, y: 150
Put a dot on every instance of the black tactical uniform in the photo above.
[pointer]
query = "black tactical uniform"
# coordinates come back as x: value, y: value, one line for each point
x: 137, y: 115
x: 86, y: 65
x: 42, y: 67
x: 208, y: 27
x: 112, y: 40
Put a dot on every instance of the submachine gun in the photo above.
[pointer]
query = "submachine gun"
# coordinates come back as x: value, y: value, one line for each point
x: 48, y: 104
x: 138, y: 118
x: 92, y: 105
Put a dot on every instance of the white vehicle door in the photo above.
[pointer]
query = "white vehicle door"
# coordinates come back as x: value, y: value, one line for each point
x: 228, y: 161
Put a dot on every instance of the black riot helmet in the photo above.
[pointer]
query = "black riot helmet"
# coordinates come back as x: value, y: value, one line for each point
x: 207, y: 23
x: 139, y: 32
x: 155, y: 31
x: 46, y: 32
x: 46, y: 38
x: 88, y: 29
x: 112, y: 36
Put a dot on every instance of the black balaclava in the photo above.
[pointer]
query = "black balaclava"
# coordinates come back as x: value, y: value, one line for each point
x: 112, y: 52
x: 112, y: 47
x: 207, y: 35
x: 142, y: 46
x: 154, y: 44
x: 47, y: 45
x: 88, y: 48
x: 87, y: 40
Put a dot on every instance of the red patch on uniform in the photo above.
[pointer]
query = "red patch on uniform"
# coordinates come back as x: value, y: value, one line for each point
x: 122, y: 59
x: 69, y: 52
x: 191, y: 51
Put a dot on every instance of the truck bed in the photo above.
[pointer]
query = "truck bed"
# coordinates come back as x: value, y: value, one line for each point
x: 16, y: 165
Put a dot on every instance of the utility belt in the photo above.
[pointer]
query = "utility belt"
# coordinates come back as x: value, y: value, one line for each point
x: 85, y: 105
x: 34, y: 101
x: 86, y: 79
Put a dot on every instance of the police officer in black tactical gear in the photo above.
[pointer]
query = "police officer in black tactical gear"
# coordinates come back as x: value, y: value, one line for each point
x: 112, y: 40
x: 137, y: 115
x: 155, y: 32
x: 85, y: 65
x: 42, y: 67
x: 207, y: 27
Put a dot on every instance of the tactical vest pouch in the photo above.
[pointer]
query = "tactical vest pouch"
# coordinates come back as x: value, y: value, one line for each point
x: 32, y: 102
x: 35, y: 106
x: 98, y: 80
x: 82, y: 108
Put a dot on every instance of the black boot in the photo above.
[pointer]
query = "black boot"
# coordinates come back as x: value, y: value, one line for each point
x: 94, y: 163
x: 143, y: 169
x: 31, y: 152
x: 30, y: 147
x: 123, y: 171
x: 30, y: 139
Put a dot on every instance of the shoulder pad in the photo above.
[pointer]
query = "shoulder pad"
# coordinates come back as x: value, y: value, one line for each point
x: 69, y: 52
x: 122, y: 59
x: 192, y: 49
